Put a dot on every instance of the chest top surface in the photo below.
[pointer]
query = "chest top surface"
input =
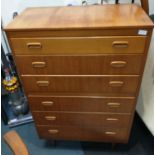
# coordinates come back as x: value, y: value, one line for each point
x: 81, y: 17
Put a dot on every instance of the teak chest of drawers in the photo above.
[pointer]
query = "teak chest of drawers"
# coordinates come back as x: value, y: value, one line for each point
x: 81, y: 68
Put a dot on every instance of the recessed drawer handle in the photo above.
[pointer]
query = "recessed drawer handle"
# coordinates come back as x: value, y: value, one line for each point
x: 53, y: 131
x: 38, y: 64
x: 47, y: 103
x: 34, y: 45
x: 110, y: 133
x: 112, y: 119
x: 116, y: 83
x: 118, y: 63
x: 120, y: 44
x: 113, y: 104
x: 42, y: 83
x: 50, y: 118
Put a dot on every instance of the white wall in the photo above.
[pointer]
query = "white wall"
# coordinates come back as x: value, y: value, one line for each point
x: 145, y: 106
x: 145, y: 103
x: 10, y: 6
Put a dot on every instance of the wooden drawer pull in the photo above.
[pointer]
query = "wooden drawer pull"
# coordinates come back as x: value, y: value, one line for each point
x: 42, y: 83
x: 110, y: 133
x: 38, y: 64
x: 53, y: 131
x: 112, y: 119
x: 116, y: 83
x: 120, y: 44
x: 113, y: 104
x: 34, y: 45
x: 118, y: 63
x: 47, y: 103
x: 50, y: 118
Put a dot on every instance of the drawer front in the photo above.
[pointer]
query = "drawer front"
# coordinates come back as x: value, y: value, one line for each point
x: 81, y: 84
x: 81, y: 119
x: 78, y: 45
x: 83, y: 133
x: 80, y: 65
x: 82, y: 104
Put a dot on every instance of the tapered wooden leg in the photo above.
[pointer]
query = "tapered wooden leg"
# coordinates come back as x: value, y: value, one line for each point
x: 54, y: 143
x: 51, y: 143
x: 113, y: 145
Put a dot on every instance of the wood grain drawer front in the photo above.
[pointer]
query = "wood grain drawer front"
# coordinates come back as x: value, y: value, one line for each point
x: 81, y: 119
x: 82, y: 104
x: 81, y: 84
x: 70, y: 45
x: 83, y: 133
x: 80, y: 65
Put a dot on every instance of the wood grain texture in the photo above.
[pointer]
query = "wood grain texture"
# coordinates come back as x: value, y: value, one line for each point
x: 82, y: 104
x: 82, y: 119
x: 79, y: 65
x: 84, y: 133
x: 81, y: 84
x: 79, y: 17
x: 77, y: 47
x: 70, y: 45
x: 145, y: 6
x: 75, y: 33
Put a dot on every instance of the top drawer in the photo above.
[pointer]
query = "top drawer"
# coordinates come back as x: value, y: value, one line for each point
x: 78, y: 45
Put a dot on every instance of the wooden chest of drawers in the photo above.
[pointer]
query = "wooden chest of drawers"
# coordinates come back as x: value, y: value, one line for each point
x: 81, y: 68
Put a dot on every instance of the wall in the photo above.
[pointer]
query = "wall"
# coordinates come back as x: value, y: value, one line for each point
x: 10, y: 6
x: 145, y: 106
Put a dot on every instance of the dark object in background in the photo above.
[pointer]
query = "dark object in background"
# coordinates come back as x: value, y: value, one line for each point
x: 15, y: 103
x: 152, y: 18
x: 19, y: 107
x: 15, y: 14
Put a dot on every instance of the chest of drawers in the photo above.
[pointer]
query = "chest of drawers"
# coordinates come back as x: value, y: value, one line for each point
x: 81, y: 68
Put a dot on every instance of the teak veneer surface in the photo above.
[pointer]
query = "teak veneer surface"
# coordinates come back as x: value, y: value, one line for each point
x: 83, y: 84
x: 82, y: 119
x: 79, y: 45
x: 77, y: 17
x: 79, y: 65
x: 82, y: 103
x: 82, y: 133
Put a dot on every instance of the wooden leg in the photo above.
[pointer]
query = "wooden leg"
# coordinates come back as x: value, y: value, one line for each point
x: 50, y: 143
x: 54, y: 143
x: 113, y: 145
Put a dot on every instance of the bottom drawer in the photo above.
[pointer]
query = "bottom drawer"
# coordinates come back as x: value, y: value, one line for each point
x: 83, y: 134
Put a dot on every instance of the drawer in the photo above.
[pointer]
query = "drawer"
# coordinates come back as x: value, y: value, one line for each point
x: 82, y: 103
x: 78, y: 45
x: 80, y: 65
x: 83, y: 133
x: 81, y: 84
x: 82, y: 119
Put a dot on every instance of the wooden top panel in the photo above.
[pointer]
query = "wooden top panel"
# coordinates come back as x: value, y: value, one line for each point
x: 81, y: 17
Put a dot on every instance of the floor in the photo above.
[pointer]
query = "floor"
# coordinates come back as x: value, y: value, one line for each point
x: 141, y: 142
